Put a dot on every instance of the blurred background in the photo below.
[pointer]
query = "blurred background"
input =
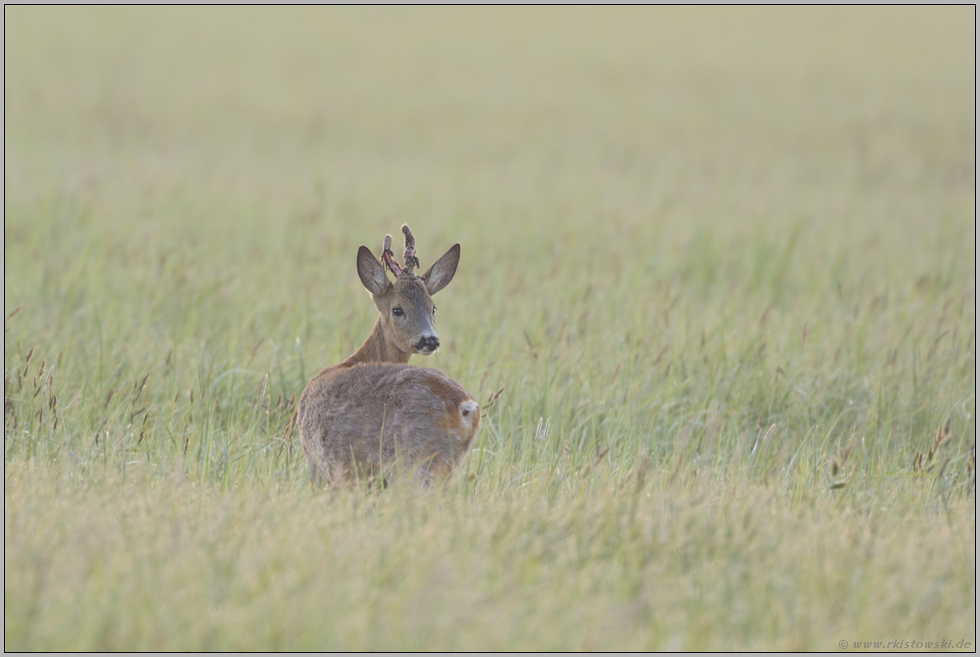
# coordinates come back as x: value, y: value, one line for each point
x: 720, y: 261
x: 179, y: 176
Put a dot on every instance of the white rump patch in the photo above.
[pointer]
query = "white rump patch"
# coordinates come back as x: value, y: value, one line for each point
x: 468, y: 408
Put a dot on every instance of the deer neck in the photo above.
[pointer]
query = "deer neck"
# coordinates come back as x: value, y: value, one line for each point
x: 377, y: 349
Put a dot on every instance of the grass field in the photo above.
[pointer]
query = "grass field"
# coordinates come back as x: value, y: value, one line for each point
x: 720, y: 261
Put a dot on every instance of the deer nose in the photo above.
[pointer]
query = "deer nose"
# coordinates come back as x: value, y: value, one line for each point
x: 428, y: 344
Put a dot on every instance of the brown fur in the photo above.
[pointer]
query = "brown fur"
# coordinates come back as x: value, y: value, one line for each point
x: 373, y: 415
x: 375, y: 419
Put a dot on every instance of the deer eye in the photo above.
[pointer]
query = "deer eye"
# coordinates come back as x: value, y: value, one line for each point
x: 433, y: 310
x: 397, y: 312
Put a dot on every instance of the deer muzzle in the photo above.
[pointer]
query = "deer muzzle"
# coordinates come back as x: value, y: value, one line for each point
x: 427, y: 344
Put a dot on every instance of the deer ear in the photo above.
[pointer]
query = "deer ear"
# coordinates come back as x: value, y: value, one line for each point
x: 371, y: 272
x: 442, y: 271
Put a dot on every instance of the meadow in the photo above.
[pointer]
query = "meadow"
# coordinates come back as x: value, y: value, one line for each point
x: 717, y: 296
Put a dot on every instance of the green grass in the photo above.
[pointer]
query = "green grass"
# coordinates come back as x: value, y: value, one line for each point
x: 720, y: 261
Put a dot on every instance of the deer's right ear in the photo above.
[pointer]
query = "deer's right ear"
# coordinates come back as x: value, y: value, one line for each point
x: 372, y: 272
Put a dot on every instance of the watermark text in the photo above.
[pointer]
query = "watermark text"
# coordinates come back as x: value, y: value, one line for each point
x: 899, y: 644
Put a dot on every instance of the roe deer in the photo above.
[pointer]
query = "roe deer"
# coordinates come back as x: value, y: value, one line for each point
x: 373, y: 413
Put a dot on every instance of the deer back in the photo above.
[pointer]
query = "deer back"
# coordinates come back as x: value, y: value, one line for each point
x: 379, y: 419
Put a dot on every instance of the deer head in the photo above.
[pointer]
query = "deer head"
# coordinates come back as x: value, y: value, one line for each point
x: 407, y: 312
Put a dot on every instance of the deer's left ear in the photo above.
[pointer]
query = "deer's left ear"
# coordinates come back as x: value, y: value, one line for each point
x: 442, y: 271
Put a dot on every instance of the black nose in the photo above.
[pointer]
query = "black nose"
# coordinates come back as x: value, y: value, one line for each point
x: 430, y: 343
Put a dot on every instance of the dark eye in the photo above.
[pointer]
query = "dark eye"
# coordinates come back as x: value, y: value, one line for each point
x: 433, y: 310
x: 397, y: 312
